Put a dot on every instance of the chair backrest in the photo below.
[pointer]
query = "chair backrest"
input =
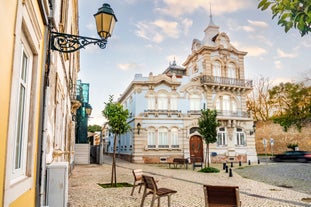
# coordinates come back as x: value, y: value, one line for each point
x: 138, y: 173
x: 221, y: 195
x: 150, y: 183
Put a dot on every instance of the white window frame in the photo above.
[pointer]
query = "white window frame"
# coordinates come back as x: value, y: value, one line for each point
x: 19, y: 173
x: 173, y: 103
x: 163, y: 138
x: 151, y: 141
x: 162, y: 102
x: 151, y: 102
x: 195, y: 102
x: 217, y: 69
x: 240, y: 137
x: 221, y: 137
x: 19, y: 180
x: 231, y: 71
x: 174, y: 138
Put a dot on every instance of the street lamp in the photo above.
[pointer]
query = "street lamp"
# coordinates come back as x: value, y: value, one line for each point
x: 67, y: 43
x: 88, y: 109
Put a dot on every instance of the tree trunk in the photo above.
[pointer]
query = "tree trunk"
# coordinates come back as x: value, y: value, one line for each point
x: 207, y: 155
x: 113, y: 168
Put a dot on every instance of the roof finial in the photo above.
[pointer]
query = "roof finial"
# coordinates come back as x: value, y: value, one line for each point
x: 210, y: 10
x: 210, y: 15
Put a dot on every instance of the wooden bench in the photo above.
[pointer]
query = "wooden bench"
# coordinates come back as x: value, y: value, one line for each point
x: 180, y: 162
x: 225, y: 196
x: 196, y: 162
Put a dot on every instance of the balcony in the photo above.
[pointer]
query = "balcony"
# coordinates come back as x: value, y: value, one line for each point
x: 223, y: 83
x: 157, y: 113
x: 240, y: 114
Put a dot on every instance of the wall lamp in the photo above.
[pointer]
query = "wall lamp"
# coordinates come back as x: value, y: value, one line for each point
x: 254, y: 129
x: 138, y: 127
x: 67, y: 43
x: 88, y: 109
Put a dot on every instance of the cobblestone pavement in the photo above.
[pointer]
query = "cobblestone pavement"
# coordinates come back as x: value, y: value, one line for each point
x: 296, y: 176
x: 84, y: 190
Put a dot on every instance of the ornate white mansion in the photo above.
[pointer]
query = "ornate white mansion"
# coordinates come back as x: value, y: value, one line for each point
x: 164, y: 109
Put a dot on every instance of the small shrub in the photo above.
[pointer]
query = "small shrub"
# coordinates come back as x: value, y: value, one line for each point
x: 292, y: 146
x: 209, y: 170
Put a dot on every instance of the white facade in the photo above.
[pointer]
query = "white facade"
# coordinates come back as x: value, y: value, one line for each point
x: 168, y: 106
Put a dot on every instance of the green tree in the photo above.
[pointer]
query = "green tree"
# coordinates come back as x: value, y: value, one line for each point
x: 208, y: 129
x: 117, y: 120
x: 94, y: 128
x: 291, y: 13
x: 292, y: 104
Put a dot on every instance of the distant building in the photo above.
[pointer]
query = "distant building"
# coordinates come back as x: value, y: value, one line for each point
x: 164, y: 109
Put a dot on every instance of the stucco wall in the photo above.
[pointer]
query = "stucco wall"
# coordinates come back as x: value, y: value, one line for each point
x: 281, y: 139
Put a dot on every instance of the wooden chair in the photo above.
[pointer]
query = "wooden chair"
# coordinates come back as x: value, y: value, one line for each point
x: 224, y: 196
x: 157, y: 193
x: 138, y: 181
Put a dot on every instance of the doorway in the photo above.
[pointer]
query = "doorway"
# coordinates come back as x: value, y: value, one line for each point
x: 196, y: 147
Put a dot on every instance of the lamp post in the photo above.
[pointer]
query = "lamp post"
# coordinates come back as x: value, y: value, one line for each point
x: 67, y: 43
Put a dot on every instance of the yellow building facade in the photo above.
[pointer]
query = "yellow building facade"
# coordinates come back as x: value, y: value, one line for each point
x: 21, y: 54
x: 26, y: 98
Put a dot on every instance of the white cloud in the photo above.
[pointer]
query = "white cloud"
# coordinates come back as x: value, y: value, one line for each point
x: 248, y: 28
x: 128, y: 66
x: 167, y: 27
x: 186, y: 23
x: 278, y: 64
x: 176, y: 8
x: 257, y: 23
x: 157, y: 30
x: 282, y: 54
x: 253, y: 51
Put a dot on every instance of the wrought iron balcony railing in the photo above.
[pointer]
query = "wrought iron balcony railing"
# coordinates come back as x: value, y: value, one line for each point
x: 224, y: 81
x: 225, y: 113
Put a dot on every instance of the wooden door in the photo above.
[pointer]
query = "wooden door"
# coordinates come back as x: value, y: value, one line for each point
x: 196, y: 147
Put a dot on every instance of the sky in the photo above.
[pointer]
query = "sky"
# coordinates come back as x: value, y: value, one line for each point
x: 150, y: 34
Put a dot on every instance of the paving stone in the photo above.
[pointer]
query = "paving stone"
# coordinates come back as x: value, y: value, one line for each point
x: 85, y: 191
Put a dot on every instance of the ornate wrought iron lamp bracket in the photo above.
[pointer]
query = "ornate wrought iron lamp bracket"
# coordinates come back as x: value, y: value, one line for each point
x: 68, y: 43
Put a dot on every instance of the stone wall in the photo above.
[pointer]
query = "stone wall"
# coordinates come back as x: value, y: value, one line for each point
x: 281, y: 138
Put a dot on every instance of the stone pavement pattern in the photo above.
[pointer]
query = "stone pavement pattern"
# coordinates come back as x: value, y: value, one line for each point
x: 84, y: 190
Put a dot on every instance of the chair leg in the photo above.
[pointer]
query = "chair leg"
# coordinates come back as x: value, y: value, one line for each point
x: 140, y: 185
x: 169, y: 200
x: 159, y: 201
x: 152, y: 201
x: 132, y: 190
x: 143, y: 198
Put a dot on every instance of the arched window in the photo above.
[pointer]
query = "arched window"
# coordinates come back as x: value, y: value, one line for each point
x: 174, y: 138
x: 226, y: 104
x: 231, y: 71
x: 240, y: 137
x: 173, y: 103
x: 195, y: 102
x: 217, y: 68
x: 151, y: 138
x: 151, y: 103
x: 163, y: 138
x: 162, y: 101
x: 221, y: 137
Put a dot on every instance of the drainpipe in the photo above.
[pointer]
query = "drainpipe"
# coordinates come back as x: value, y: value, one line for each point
x: 41, y: 155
